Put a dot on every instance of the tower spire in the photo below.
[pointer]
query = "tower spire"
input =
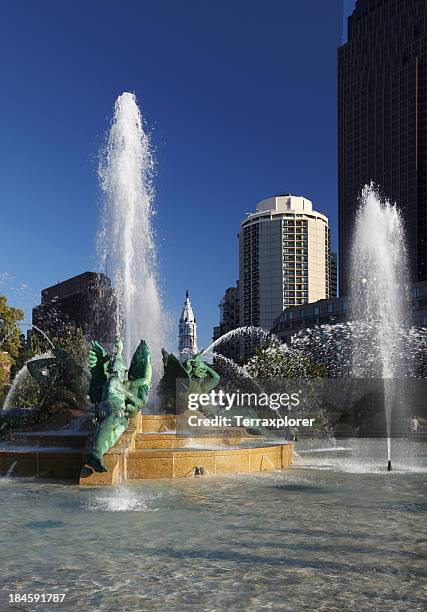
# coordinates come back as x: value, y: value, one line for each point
x: 187, y: 345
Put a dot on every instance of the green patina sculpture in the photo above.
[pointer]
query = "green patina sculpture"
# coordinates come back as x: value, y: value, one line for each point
x: 64, y: 385
x: 196, y: 376
x: 190, y: 376
x: 117, y: 396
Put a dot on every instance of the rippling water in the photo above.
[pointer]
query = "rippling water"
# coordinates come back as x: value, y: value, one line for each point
x: 322, y: 535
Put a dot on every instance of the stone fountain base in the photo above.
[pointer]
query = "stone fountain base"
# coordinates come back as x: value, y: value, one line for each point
x: 149, y: 448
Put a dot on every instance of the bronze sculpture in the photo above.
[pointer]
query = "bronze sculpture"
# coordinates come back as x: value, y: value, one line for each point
x: 116, y: 396
x: 192, y: 375
x: 63, y: 383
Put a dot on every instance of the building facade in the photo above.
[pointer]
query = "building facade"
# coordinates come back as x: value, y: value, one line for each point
x: 86, y: 301
x: 298, y: 318
x: 333, y: 288
x: 187, y: 338
x: 229, y: 308
x: 419, y: 304
x: 295, y: 319
x: 382, y: 113
x: 284, y: 259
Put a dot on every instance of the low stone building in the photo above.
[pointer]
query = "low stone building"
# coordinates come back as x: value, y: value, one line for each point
x: 294, y: 319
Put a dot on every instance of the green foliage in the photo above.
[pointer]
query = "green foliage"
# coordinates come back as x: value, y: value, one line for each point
x: 5, y: 363
x: 24, y: 354
x: 270, y: 364
x: 27, y: 392
x: 10, y: 333
x: 72, y: 340
x: 4, y: 388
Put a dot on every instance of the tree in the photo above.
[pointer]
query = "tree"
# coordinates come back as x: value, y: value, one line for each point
x: 24, y: 354
x: 72, y: 340
x: 10, y: 333
x: 5, y: 364
x: 273, y: 363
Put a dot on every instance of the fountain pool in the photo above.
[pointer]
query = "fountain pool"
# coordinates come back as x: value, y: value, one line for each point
x: 319, y: 535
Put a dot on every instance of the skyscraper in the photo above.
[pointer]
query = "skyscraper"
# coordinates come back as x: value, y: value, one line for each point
x: 382, y: 106
x: 187, y: 345
x: 86, y: 301
x: 229, y: 320
x: 333, y: 287
x: 284, y: 258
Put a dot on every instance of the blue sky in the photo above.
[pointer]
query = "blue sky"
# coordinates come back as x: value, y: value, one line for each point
x: 240, y: 100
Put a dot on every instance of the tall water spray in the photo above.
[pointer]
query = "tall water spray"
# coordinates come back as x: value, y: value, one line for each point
x: 126, y: 239
x: 379, y: 293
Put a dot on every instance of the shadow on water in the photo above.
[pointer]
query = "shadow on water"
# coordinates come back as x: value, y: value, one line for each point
x: 334, y: 548
x: 285, y: 561
x: 305, y: 488
x: 312, y: 533
x: 44, y: 524
x: 406, y: 506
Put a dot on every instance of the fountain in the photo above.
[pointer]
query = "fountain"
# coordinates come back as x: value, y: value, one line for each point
x: 380, y: 292
x: 122, y: 443
x: 378, y: 341
x: 256, y: 334
x: 126, y: 238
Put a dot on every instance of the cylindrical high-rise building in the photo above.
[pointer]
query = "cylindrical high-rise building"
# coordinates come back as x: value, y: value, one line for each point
x: 284, y: 258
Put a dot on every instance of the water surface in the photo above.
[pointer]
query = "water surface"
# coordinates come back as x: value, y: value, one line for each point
x: 318, y: 536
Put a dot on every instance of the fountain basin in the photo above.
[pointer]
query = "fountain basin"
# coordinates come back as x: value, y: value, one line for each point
x: 50, y: 463
x: 182, y: 462
x: 148, y: 449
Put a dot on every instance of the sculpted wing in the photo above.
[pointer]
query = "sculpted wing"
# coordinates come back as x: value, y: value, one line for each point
x: 140, y: 371
x: 43, y: 369
x: 98, y: 361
